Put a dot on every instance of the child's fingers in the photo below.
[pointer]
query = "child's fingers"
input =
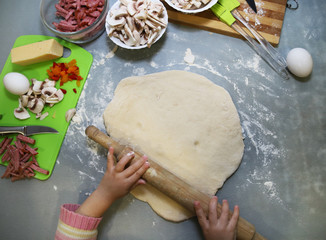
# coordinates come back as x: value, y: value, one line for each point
x: 135, y: 166
x: 110, y: 158
x: 137, y: 169
x: 139, y: 182
x: 203, y: 222
x: 234, y: 219
x: 224, y: 218
x: 212, y: 213
x: 124, y: 161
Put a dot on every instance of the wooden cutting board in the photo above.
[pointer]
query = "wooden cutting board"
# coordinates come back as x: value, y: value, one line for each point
x: 268, y: 21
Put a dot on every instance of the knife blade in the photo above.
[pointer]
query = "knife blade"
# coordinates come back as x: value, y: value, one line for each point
x: 27, y: 130
x: 252, y: 4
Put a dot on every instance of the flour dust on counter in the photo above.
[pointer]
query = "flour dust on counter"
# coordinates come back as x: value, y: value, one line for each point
x: 189, y: 58
x: 91, y: 160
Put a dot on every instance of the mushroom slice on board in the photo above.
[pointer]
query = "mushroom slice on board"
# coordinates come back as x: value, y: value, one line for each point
x: 21, y: 113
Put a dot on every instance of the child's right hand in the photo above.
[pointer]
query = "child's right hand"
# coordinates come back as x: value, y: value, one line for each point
x: 214, y: 227
x: 119, y: 180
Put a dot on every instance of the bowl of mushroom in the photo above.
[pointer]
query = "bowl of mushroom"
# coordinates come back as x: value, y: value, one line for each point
x: 136, y: 24
x: 191, y: 6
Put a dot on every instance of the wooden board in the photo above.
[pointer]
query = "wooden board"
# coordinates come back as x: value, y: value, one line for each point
x: 268, y: 21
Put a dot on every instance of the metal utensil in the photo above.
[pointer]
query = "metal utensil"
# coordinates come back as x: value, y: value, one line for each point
x: 226, y: 11
x: 27, y: 130
x: 252, y: 4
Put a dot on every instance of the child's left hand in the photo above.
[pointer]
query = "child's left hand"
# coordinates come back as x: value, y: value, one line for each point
x: 116, y: 183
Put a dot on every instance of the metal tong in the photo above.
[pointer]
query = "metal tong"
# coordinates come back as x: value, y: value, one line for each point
x: 226, y: 11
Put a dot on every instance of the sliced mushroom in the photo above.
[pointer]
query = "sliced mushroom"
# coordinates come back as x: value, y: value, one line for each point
x: 198, y: 3
x: 59, y: 94
x: 131, y: 8
x: 205, y: 1
x: 48, y: 94
x: 44, y: 115
x: 24, y: 100
x: 144, y: 21
x: 130, y: 23
x: 21, y: 113
x: 141, y: 15
x: 140, y: 4
x: 49, y: 83
x: 131, y: 40
x: 116, y: 22
x: 37, y: 86
x: 70, y: 113
x: 152, y: 38
x: 156, y: 20
x: 36, y: 105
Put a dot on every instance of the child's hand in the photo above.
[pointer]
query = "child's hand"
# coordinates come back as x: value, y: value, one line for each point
x: 215, y: 228
x: 116, y: 182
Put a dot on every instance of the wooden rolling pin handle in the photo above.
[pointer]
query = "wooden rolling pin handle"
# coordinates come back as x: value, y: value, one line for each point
x: 171, y: 185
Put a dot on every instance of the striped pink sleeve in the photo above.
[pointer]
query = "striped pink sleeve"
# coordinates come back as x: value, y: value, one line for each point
x: 73, y: 226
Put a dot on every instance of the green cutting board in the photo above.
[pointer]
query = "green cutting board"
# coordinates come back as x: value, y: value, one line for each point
x: 48, y: 144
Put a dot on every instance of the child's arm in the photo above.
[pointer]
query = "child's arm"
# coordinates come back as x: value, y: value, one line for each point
x: 214, y: 227
x: 81, y: 221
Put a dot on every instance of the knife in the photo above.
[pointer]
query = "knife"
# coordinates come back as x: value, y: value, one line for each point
x: 252, y: 4
x: 27, y: 130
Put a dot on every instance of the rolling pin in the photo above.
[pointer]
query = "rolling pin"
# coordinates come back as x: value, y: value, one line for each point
x: 171, y: 185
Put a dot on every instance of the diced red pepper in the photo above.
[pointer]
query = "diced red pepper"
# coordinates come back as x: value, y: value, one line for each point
x: 63, y: 91
x: 64, y: 72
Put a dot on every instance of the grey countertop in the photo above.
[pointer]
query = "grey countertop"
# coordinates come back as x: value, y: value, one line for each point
x: 280, y: 184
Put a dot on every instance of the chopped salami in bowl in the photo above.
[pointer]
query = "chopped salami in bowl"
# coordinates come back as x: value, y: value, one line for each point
x: 77, y: 21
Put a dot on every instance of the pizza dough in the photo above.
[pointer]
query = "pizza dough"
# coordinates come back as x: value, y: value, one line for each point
x: 182, y: 121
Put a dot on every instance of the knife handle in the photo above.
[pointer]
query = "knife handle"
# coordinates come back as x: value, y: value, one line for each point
x: 8, y: 130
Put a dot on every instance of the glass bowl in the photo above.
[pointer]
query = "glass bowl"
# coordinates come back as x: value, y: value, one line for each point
x: 48, y: 16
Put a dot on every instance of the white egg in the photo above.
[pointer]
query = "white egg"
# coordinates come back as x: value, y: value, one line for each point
x: 299, y: 62
x: 16, y: 83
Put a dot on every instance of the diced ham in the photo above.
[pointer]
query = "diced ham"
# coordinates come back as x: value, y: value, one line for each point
x: 3, y: 141
x: 6, y: 157
x: 25, y: 139
x: 26, y: 157
x: 21, y: 158
x: 5, y: 144
x: 18, y: 144
x: 31, y: 150
x: 40, y: 170
x: 74, y: 13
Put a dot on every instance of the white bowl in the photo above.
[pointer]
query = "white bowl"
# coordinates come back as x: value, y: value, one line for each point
x: 191, y: 11
x: 118, y: 42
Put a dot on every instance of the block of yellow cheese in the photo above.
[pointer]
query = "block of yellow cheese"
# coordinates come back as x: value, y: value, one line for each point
x: 36, y: 52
